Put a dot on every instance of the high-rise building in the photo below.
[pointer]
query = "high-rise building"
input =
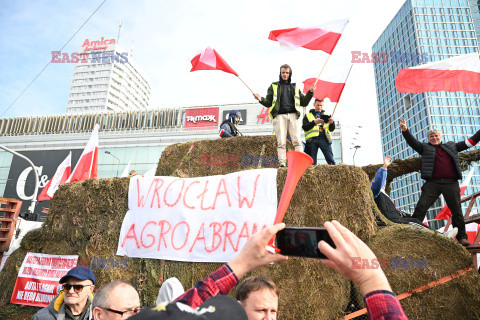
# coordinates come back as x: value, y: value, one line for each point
x: 423, y: 31
x: 106, y: 78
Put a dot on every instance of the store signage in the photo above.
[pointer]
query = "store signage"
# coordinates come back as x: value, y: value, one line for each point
x: 201, y: 117
x: 21, y: 178
x: 101, y: 44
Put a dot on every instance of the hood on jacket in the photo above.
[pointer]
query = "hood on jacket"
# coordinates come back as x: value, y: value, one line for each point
x: 280, y: 73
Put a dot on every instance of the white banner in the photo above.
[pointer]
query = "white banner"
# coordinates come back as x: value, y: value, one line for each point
x: 204, y: 219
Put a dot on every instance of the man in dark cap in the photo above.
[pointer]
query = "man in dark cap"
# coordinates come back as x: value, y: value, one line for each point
x: 74, y: 302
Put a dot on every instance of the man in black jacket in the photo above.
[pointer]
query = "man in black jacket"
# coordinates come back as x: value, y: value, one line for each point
x: 317, y: 126
x: 284, y: 99
x: 441, y: 170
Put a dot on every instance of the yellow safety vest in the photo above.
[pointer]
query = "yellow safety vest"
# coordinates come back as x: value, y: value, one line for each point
x: 275, y: 96
x: 314, y: 132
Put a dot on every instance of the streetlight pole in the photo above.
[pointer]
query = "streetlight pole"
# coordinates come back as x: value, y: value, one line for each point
x: 37, y: 180
x: 356, y: 148
x: 118, y: 160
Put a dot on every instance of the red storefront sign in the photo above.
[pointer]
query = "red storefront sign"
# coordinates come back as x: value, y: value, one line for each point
x: 201, y: 117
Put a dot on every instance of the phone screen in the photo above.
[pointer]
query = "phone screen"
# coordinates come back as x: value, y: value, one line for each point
x: 302, y: 242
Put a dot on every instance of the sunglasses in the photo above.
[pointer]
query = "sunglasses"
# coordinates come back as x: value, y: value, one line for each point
x: 76, y: 287
x: 128, y: 312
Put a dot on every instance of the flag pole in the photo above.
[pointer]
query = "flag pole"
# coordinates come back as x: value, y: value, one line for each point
x: 342, y: 92
x: 322, y: 69
x: 246, y: 85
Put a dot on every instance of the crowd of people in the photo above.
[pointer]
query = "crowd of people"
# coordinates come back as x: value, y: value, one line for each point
x: 256, y: 296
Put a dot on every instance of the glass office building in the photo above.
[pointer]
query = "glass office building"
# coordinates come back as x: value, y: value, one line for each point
x: 423, y: 31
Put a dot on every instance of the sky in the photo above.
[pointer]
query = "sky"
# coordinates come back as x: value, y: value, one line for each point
x: 166, y: 35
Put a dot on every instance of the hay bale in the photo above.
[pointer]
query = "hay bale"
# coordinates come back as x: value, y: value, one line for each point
x: 221, y: 156
x: 456, y: 299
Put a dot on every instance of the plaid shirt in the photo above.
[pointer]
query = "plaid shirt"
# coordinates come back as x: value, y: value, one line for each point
x: 383, y: 305
x: 219, y: 282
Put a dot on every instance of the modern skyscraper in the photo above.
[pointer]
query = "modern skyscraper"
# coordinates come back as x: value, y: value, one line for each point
x: 107, y: 78
x: 423, y: 31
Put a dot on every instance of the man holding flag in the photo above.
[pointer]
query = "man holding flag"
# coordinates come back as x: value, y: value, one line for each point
x: 284, y: 99
x: 441, y: 170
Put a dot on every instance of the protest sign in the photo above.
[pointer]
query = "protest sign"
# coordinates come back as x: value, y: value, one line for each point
x: 204, y: 219
x: 37, y: 281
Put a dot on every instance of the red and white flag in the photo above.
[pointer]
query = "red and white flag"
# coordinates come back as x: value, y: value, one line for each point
x: 330, y: 85
x: 87, y: 165
x: 445, y: 213
x: 209, y: 59
x: 471, y: 229
x: 59, y: 178
x: 460, y: 73
x: 322, y: 37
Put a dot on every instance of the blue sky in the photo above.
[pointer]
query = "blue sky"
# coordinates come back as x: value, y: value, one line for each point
x: 166, y: 35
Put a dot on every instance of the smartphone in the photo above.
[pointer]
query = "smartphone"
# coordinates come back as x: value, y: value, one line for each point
x: 302, y: 241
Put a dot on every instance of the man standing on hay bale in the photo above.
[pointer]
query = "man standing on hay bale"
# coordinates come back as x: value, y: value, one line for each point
x: 380, y: 301
x: 317, y: 127
x: 441, y: 170
x: 386, y: 205
x: 75, y: 301
x: 284, y: 99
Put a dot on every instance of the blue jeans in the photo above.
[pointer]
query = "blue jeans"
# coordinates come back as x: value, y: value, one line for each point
x: 313, y: 144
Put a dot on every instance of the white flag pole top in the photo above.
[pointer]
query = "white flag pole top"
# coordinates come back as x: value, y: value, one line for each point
x: 467, y: 180
x: 59, y: 174
x: 301, y: 36
x: 90, y: 147
x: 125, y: 171
x: 469, y: 62
x: 150, y: 173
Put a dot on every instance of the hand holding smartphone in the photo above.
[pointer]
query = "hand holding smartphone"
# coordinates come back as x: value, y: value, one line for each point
x: 302, y: 241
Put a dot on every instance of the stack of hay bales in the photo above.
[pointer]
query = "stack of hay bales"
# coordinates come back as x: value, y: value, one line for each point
x: 85, y: 219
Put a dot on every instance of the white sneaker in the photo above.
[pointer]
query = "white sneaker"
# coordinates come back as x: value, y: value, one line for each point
x: 451, y: 233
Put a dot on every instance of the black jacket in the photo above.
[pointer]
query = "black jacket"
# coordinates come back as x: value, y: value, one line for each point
x: 428, y: 151
x: 267, y: 101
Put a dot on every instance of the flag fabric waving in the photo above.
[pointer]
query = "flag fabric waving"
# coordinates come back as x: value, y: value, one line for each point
x: 126, y: 170
x: 330, y: 85
x: 460, y: 73
x: 445, y: 213
x: 59, y: 178
x: 322, y: 37
x: 87, y: 165
x: 209, y: 59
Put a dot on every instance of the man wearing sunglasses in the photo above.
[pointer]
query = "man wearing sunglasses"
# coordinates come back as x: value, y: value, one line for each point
x: 74, y: 302
x: 115, y: 300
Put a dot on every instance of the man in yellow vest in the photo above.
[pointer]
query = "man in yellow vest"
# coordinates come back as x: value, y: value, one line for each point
x: 284, y: 100
x: 318, y: 127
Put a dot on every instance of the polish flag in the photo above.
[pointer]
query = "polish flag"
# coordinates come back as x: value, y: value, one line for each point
x: 59, y: 178
x: 209, y: 59
x: 87, y: 165
x: 330, y: 85
x: 126, y: 170
x: 460, y: 73
x: 472, y: 228
x: 445, y: 213
x: 322, y: 37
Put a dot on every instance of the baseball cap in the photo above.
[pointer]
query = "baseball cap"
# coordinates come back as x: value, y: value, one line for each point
x: 80, y: 272
x: 216, y: 308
